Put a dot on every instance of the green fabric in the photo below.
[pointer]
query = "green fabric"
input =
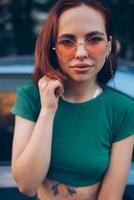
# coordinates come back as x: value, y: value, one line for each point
x: 83, y: 133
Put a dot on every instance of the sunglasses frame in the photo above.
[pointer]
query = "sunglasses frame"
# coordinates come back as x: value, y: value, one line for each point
x: 78, y: 44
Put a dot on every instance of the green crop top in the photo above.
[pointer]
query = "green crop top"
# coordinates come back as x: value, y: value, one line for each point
x: 83, y: 133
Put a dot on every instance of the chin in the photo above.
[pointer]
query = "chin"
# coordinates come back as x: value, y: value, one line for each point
x: 81, y: 78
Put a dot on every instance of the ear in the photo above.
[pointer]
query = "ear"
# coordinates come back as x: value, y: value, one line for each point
x: 109, y: 47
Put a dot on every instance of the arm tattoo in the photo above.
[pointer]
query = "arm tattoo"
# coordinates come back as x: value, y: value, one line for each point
x: 57, y: 188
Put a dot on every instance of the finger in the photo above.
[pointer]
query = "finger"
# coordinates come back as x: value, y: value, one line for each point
x: 55, y: 84
x: 56, y: 88
x: 59, y: 91
x: 44, y: 78
x: 43, y: 82
x: 54, y: 76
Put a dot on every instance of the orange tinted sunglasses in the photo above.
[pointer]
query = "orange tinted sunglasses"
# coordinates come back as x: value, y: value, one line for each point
x: 94, y: 46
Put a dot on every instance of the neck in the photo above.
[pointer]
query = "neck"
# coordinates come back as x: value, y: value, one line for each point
x: 79, y: 91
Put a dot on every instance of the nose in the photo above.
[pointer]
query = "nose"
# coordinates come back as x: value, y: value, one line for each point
x: 81, y: 52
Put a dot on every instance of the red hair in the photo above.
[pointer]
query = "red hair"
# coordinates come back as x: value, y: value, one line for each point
x: 46, y: 62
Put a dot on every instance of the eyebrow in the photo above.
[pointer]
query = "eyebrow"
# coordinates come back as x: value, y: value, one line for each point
x: 90, y: 34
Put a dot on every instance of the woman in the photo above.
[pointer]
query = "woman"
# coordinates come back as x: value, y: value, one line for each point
x: 73, y: 137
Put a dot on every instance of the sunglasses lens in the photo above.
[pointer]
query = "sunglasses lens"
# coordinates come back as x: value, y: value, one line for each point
x: 97, y: 48
x: 65, y: 48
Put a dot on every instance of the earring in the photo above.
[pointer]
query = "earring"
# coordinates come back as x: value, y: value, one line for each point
x: 111, y: 65
x: 109, y: 59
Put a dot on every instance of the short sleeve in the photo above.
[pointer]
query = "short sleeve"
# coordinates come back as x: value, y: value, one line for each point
x: 125, y: 123
x: 24, y: 105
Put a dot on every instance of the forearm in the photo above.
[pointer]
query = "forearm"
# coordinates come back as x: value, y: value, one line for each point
x: 32, y: 165
x: 110, y: 191
x: 108, y: 197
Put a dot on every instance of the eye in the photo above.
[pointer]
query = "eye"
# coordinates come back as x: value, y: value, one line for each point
x: 66, y: 43
x: 95, y: 40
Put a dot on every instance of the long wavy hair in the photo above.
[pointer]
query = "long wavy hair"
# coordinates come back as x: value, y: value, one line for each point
x: 46, y: 61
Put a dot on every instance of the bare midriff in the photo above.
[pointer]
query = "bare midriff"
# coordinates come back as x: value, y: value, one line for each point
x: 53, y: 190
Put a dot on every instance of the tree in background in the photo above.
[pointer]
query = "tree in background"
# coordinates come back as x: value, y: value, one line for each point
x: 22, y: 21
x: 19, y: 25
x: 122, y: 20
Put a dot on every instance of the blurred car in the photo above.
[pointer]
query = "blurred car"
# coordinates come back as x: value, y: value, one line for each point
x: 15, y: 71
x: 124, y: 78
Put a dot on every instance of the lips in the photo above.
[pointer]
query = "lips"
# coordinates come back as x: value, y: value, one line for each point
x: 81, y: 66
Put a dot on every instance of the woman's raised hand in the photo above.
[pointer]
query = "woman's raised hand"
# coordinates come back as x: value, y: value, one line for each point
x: 50, y: 90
